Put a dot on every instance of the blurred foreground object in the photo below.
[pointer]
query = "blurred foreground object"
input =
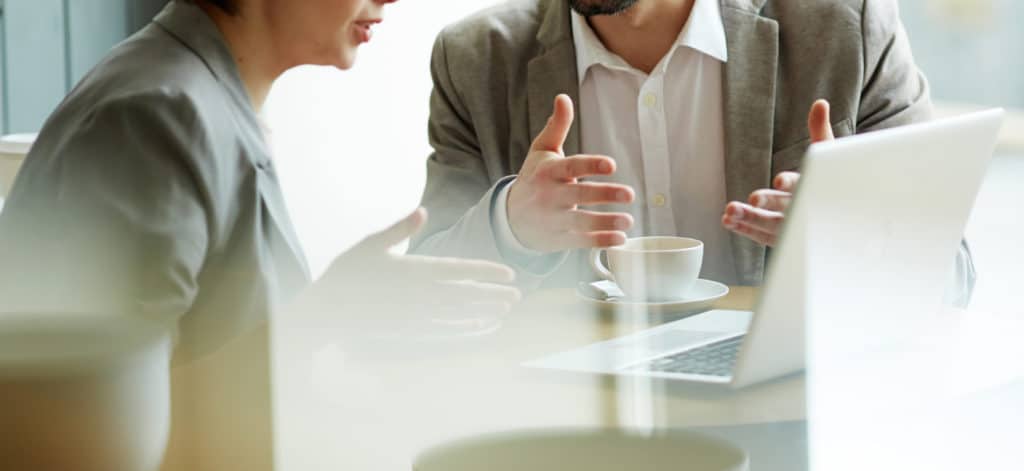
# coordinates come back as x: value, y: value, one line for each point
x: 586, y: 450
x: 13, y: 149
x: 83, y: 393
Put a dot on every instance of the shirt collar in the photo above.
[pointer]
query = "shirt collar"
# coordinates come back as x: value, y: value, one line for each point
x: 704, y: 32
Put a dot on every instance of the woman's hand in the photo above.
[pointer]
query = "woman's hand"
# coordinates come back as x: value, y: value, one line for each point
x: 371, y: 284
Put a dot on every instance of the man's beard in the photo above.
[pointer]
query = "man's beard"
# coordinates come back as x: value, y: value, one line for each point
x: 600, y: 7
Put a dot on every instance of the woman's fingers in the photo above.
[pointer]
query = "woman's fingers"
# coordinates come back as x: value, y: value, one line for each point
x: 422, y: 269
x: 457, y: 293
x: 398, y: 232
x: 464, y: 315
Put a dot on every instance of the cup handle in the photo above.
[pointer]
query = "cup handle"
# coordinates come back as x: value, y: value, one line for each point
x: 598, y: 266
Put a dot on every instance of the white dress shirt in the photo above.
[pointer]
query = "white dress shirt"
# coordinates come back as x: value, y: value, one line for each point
x: 666, y: 132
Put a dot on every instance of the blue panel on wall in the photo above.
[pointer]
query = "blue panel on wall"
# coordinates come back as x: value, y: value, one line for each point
x: 93, y: 28
x: 34, y: 38
x: 3, y: 75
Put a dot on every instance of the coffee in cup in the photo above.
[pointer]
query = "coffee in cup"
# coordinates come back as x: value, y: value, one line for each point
x: 653, y: 269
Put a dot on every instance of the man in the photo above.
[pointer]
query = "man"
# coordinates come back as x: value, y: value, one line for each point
x: 683, y: 106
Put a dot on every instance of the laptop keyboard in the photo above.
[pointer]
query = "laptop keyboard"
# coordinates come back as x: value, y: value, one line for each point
x: 716, y: 359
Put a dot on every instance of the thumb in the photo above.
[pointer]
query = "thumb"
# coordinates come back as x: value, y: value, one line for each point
x: 400, y: 231
x: 553, y: 136
x: 820, y: 123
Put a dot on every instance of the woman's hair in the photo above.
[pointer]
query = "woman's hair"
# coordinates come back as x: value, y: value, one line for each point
x: 228, y: 6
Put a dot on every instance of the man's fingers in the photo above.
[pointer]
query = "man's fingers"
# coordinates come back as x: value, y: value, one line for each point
x: 772, y: 200
x: 400, y: 231
x: 579, y: 166
x: 590, y: 240
x: 819, y: 122
x: 552, y: 138
x: 597, y: 193
x: 417, y: 267
x: 589, y: 221
x: 766, y: 239
x: 786, y: 181
x: 737, y: 214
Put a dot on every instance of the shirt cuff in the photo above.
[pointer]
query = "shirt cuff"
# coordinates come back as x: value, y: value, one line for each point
x: 511, y: 249
x: 507, y: 241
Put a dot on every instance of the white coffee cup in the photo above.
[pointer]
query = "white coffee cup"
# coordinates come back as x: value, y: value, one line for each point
x: 654, y: 269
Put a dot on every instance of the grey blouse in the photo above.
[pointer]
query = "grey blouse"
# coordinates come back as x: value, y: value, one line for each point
x: 150, y: 192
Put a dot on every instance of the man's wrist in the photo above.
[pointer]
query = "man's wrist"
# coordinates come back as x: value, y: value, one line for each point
x: 507, y: 240
x: 524, y: 259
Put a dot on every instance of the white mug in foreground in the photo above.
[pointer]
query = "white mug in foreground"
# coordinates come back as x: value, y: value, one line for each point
x: 83, y: 392
x: 585, y: 450
x: 655, y: 269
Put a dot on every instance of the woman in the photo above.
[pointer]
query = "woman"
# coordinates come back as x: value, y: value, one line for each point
x: 151, y: 191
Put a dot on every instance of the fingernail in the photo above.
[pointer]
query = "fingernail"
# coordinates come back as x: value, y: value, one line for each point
x: 759, y: 201
x: 622, y: 224
x: 604, y: 167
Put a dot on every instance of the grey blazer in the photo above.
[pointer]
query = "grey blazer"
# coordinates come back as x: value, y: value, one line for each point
x: 496, y: 73
x: 150, y: 192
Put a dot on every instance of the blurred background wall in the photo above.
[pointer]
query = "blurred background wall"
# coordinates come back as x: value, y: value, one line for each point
x: 972, y: 50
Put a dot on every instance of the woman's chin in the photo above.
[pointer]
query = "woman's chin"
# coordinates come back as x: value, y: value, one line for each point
x: 346, y: 60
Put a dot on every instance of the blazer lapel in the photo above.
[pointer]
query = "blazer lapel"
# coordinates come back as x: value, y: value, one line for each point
x: 553, y: 71
x: 749, y: 100
x: 273, y: 200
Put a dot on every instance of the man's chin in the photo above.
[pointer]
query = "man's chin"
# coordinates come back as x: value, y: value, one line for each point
x: 600, y: 7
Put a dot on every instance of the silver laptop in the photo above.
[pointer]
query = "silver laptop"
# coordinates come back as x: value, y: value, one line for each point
x: 899, y: 199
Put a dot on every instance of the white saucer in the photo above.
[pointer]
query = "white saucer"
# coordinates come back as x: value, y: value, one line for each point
x: 702, y: 296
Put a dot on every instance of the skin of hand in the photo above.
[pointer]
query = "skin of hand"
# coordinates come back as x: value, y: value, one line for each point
x: 544, y: 202
x: 388, y: 288
x: 761, y: 217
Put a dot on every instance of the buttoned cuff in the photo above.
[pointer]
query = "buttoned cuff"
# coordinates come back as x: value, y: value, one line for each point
x: 511, y: 249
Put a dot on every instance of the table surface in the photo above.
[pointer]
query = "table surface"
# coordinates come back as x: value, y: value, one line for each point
x: 340, y: 406
x: 339, y: 401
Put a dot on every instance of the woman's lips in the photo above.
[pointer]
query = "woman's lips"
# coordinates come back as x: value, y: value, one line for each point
x: 365, y: 30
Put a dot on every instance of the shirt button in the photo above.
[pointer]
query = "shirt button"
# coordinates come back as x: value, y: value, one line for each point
x: 659, y: 200
x: 650, y: 100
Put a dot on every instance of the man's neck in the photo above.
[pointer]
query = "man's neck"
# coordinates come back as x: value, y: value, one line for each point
x: 249, y: 43
x: 645, y: 33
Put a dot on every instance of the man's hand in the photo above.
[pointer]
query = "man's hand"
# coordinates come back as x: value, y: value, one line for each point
x: 543, y: 202
x: 760, y: 219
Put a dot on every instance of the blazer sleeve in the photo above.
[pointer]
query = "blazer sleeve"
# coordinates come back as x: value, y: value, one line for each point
x: 459, y: 195
x: 896, y: 93
x: 108, y: 217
